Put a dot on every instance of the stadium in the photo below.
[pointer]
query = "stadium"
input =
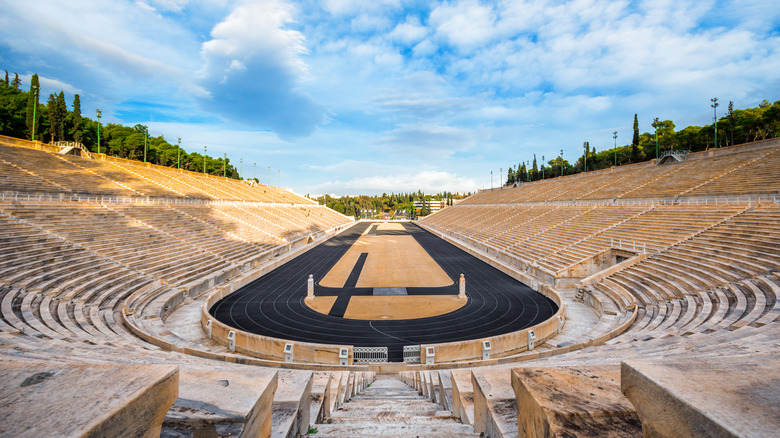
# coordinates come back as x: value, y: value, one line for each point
x: 143, y: 300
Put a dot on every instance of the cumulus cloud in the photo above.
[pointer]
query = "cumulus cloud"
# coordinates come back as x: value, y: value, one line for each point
x: 427, y: 141
x: 253, y: 67
x: 429, y: 181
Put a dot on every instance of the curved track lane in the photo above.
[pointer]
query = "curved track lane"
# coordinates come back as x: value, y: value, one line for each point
x: 273, y: 305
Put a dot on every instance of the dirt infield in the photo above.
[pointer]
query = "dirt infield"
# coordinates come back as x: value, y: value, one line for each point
x: 402, y: 306
x: 393, y: 261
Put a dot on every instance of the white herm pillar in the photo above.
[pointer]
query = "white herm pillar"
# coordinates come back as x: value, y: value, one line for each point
x: 462, y: 287
x: 310, y: 287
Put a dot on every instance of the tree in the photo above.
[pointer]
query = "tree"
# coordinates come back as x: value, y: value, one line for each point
x: 635, y: 142
x: 76, y: 119
x: 17, y: 83
x: 730, y: 115
x: 534, y: 170
x: 33, y: 116
x: 5, y: 81
x: 53, y: 111
x: 62, y: 113
x: 586, y: 148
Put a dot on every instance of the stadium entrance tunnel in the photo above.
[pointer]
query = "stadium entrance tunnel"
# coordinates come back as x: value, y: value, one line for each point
x: 388, y: 285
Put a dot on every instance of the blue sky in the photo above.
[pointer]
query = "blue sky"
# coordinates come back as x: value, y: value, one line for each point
x: 353, y: 97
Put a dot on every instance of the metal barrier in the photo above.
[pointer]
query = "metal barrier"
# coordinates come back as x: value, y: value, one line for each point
x: 369, y: 354
x: 411, y: 353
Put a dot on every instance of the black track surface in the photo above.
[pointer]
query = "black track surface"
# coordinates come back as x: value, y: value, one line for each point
x: 273, y: 305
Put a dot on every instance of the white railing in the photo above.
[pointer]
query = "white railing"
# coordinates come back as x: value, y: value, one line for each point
x: 682, y: 200
x: 369, y: 354
x: 633, y: 246
x: 412, y: 354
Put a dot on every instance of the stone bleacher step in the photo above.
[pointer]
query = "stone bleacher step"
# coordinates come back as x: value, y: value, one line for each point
x: 390, y: 408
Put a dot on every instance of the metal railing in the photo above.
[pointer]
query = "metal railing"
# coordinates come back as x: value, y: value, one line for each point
x: 412, y: 354
x: 633, y: 246
x: 369, y: 354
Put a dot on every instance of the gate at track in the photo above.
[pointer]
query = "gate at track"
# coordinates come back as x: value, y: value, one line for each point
x: 412, y: 353
x: 369, y: 354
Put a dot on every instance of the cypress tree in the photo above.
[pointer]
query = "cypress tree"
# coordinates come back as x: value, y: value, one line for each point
x: 17, y: 83
x: 534, y: 170
x: 76, y: 118
x: 62, y: 112
x: 53, y: 110
x: 32, y: 102
x: 635, y: 142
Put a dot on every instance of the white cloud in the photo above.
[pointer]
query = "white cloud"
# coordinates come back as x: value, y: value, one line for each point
x: 409, y: 32
x: 253, y: 66
x: 464, y: 24
x: 429, y: 181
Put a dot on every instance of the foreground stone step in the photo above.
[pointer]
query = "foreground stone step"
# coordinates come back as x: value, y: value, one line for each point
x: 455, y: 430
x: 40, y: 399
x: 390, y: 408
x: 724, y: 396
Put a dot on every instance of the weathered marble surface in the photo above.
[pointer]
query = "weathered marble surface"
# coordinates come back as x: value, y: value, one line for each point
x: 717, y: 397
x: 53, y: 399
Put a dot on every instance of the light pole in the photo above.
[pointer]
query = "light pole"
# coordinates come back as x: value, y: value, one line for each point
x: 501, y: 172
x: 655, y: 125
x: 99, y: 115
x: 278, y: 176
x: 491, y: 180
x: 224, y: 166
x: 254, y: 171
x: 542, y: 167
x: 269, y: 176
x: 35, y: 107
x: 527, y: 170
x: 178, y: 154
x: 614, y: 135
x: 714, y: 106
x: 241, y: 167
x: 204, y: 158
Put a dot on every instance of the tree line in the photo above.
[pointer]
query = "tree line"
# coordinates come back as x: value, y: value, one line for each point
x: 393, y: 204
x: 22, y: 115
x: 735, y: 127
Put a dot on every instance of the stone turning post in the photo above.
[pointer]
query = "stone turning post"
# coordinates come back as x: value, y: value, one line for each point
x: 310, y: 287
x: 462, y: 287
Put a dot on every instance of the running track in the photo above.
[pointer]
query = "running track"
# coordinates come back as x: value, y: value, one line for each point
x: 273, y: 305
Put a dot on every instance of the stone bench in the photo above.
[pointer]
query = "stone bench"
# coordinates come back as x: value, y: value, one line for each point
x: 49, y: 399
x: 678, y: 399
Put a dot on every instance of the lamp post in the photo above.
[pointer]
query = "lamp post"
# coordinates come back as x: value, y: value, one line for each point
x: 254, y: 171
x: 614, y: 135
x: 269, y: 176
x: 542, y: 167
x: 178, y: 154
x: 278, y: 176
x: 204, y: 158
x: 491, y: 180
x: 35, y: 107
x: 241, y: 167
x: 714, y: 106
x: 501, y: 172
x: 224, y: 166
x: 527, y: 170
x: 99, y: 115
x: 655, y: 125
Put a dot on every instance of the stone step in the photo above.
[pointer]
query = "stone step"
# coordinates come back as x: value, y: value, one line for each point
x: 372, y: 429
x: 441, y: 417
